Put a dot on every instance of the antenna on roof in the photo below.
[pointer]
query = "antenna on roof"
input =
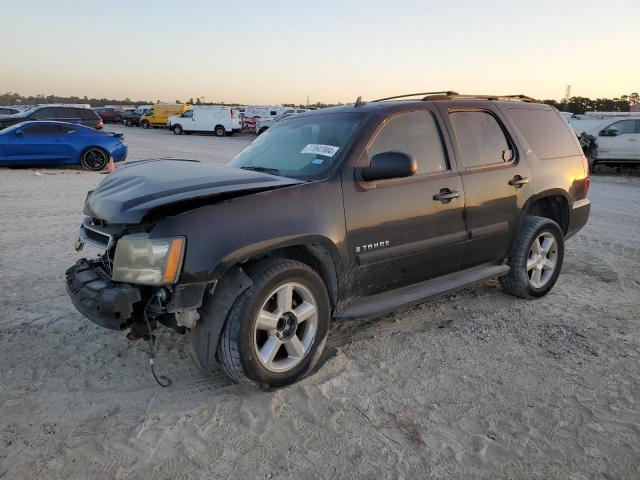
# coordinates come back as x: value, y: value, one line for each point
x: 359, y: 101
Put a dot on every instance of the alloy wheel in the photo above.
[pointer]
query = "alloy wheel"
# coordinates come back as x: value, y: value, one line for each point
x: 286, y: 327
x: 542, y: 260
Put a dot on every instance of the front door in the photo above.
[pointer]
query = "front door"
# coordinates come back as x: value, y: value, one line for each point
x: 496, y: 179
x: 407, y: 230
x: 188, y: 121
x: 620, y: 141
x: 39, y: 143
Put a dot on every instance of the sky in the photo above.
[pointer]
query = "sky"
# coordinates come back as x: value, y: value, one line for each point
x: 331, y: 51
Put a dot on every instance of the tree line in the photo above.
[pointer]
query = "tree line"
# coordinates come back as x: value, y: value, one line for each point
x: 576, y: 105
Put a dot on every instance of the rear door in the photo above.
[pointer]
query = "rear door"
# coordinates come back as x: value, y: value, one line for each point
x: 399, y: 231
x: 496, y: 179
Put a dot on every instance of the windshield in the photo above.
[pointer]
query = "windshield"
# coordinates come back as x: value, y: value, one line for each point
x: 302, y: 147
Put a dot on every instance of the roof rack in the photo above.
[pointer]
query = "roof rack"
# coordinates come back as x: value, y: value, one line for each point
x: 520, y: 97
x: 444, y: 92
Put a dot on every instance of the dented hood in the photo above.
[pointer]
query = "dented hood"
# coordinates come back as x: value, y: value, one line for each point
x: 134, y: 189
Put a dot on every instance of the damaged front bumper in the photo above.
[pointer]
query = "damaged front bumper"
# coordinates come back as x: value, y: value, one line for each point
x: 104, y: 302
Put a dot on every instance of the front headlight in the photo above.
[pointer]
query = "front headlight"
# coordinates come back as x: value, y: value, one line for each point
x: 148, y: 261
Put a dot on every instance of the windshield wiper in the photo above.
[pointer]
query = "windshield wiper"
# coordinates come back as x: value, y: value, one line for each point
x: 256, y: 168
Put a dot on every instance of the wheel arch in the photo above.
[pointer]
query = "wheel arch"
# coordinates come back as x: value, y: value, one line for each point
x: 553, y: 204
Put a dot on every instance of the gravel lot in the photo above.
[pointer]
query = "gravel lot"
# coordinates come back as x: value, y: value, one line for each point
x: 474, y: 385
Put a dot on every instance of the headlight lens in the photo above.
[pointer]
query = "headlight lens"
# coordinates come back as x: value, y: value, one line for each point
x: 148, y: 261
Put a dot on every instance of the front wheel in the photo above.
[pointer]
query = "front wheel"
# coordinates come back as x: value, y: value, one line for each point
x: 537, y: 259
x: 177, y: 129
x: 145, y: 124
x: 277, y: 328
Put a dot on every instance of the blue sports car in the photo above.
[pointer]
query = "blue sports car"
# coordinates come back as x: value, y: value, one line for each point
x: 59, y: 143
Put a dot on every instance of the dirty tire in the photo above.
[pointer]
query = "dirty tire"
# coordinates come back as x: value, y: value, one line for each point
x: 236, y: 349
x: 517, y: 281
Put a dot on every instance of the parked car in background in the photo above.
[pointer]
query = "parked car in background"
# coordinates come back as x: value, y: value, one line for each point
x: 8, y: 111
x: 158, y: 115
x: 262, y: 124
x: 60, y: 113
x: 110, y: 114
x: 218, y: 120
x: 345, y: 213
x: 611, y: 139
x: 132, y: 117
x: 59, y: 143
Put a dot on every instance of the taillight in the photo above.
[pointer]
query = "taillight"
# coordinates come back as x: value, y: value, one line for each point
x: 586, y: 183
x: 100, y: 125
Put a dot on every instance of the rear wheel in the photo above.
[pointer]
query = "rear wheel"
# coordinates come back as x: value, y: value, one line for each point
x: 177, y: 129
x: 220, y: 131
x: 277, y: 328
x: 537, y: 259
x: 94, y: 159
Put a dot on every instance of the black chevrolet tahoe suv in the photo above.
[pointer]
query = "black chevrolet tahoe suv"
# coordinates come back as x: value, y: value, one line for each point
x: 340, y: 213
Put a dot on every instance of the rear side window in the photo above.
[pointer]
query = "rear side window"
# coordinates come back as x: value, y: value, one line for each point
x: 416, y: 134
x: 87, y: 114
x: 480, y: 138
x: 547, y: 133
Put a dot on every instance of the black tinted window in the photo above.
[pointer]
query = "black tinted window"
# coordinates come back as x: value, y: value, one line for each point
x: 416, y: 134
x: 44, y: 113
x: 86, y: 114
x: 547, y: 132
x: 624, y: 126
x: 480, y: 138
x: 47, y: 130
x: 68, y: 113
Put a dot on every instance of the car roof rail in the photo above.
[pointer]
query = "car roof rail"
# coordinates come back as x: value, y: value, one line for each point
x: 519, y: 97
x: 406, y: 95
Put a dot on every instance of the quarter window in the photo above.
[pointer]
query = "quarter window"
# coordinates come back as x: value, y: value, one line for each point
x: 480, y: 138
x: 416, y: 134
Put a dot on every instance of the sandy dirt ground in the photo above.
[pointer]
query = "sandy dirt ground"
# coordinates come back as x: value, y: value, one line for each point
x: 475, y: 385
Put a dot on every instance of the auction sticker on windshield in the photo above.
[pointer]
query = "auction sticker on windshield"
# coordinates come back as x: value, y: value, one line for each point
x: 326, y: 150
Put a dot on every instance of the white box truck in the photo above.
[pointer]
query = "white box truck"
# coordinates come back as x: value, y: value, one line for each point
x: 218, y: 120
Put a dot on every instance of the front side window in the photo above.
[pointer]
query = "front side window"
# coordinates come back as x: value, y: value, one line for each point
x: 302, y: 147
x: 187, y: 114
x: 624, y: 126
x: 43, y: 114
x: 43, y: 130
x: 417, y: 135
x: 480, y: 138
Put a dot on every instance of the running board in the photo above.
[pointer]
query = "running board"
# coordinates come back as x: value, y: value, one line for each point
x: 386, y: 302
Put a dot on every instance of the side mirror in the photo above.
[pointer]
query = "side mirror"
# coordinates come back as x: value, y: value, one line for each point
x: 388, y: 165
x: 609, y: 132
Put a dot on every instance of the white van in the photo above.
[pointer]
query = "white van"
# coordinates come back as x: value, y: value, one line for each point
x: 611, y: 139
x: 219, y: 120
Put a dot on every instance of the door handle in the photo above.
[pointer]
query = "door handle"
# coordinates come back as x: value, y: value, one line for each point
x: 519, y: 181
x: 445, y: 195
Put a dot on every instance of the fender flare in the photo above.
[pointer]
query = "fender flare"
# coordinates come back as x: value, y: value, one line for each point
x: 213, y: 315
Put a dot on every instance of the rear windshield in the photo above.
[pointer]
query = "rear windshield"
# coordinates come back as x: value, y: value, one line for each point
x: 301, y: 147
x: 548, y: 135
